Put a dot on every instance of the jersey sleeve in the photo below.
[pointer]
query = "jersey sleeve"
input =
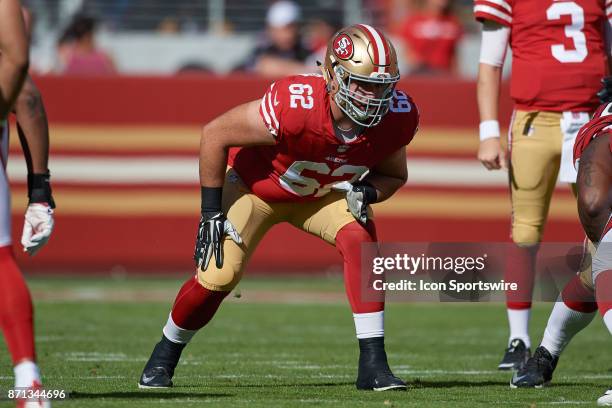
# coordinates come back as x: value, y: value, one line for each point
x: 292, y: 104
x: 609, y: 10
x: 271, y: 110
x: 499, y: 11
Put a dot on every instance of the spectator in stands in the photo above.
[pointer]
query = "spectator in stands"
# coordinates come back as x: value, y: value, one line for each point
x: 319, y: 31
x: 281, y: 51
x: 430, y: 36
x: 78, y: 52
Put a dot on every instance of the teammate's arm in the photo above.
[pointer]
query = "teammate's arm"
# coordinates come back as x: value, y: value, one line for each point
x: 33, y: 127
x: 14, y: 51
x: 594, y: 180
x: 241, y: 126
x: 33, y: 130
x: 492, y: 54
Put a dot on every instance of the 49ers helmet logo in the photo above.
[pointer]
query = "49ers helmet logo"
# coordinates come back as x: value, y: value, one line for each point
x: 343, y: 47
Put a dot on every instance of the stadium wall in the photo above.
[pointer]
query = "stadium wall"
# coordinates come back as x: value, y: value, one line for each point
x: 189, y: 99
x: 124, y: 165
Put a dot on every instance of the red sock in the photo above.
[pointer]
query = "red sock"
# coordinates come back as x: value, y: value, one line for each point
x: 195, y: 305
x: 603, y: 291
x: 520, y: 268
x: 578, y: 297
x: 15, y: 309
x: 348, y: 242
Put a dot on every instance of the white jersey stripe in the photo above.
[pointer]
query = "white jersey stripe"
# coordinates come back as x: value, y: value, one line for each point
x: 501, y: 3
x: 492, y: 11
x: 264, y: 110
x: 271, y: 105
x: 382, y: 59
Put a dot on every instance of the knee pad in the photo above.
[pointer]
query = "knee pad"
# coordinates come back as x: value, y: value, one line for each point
x: 526, y: 235
x: 226, y: 278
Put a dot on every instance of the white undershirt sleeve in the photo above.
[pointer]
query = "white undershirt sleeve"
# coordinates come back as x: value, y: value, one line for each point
x: 494, y: 44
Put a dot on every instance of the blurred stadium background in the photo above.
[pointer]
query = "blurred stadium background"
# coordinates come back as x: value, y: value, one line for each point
x: 125, y: 141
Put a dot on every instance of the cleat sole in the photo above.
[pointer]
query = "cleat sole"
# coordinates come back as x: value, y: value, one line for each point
x: 391, y: 388
x: 539, y: 386
x: 148, y: 387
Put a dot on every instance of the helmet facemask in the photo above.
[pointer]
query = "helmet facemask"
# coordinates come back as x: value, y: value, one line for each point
x: 362, y: 109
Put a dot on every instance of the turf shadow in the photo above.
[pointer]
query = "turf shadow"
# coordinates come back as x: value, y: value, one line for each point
x: 452, y: 384
x: 328, y: 384
x: 145, y: 395
x: 417, y: 383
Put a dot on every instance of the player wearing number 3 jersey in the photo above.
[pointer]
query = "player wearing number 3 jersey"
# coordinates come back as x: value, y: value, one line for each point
x: 559, y: 57
x: 314, y: 152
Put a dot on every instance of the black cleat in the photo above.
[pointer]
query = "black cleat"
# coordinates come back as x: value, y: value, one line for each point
x: 374, y: 372
x: 159, y: 369
x: 155, y: 377
x: 537, y: 372
x: 515, y: 357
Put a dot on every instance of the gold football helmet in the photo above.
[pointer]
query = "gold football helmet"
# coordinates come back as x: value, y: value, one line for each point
x: 361, y: 71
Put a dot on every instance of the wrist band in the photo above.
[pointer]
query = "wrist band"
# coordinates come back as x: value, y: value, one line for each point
x: 39, y: 189
x: 211, y: 199
x: 489, y: 129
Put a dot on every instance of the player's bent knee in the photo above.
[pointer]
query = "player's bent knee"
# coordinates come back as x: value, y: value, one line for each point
x: 219, y: 279
x: 226, y: 278
x: 526, y: 236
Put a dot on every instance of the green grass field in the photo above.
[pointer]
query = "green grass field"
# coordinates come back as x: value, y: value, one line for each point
x: 288, y: 343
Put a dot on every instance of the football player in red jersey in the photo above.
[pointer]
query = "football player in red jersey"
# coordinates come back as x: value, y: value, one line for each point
x: 593, y: 156
x: 16, y: 313
x: 15, y: 302
x: 593, y: 159
x: 16, y: 320
x: 309, y: 137
x: 559, y: 57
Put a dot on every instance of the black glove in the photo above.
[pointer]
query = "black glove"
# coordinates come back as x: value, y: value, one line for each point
x: 211, y: 232
x: 212, y: 229
x: 358, y: 198
x: 605, y: 93
x: 39, y: 189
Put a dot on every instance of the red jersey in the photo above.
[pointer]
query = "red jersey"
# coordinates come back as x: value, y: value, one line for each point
x: 558, y: 51
x: 433, y: 39
x: 308, y: 158
x: 600, y: 124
